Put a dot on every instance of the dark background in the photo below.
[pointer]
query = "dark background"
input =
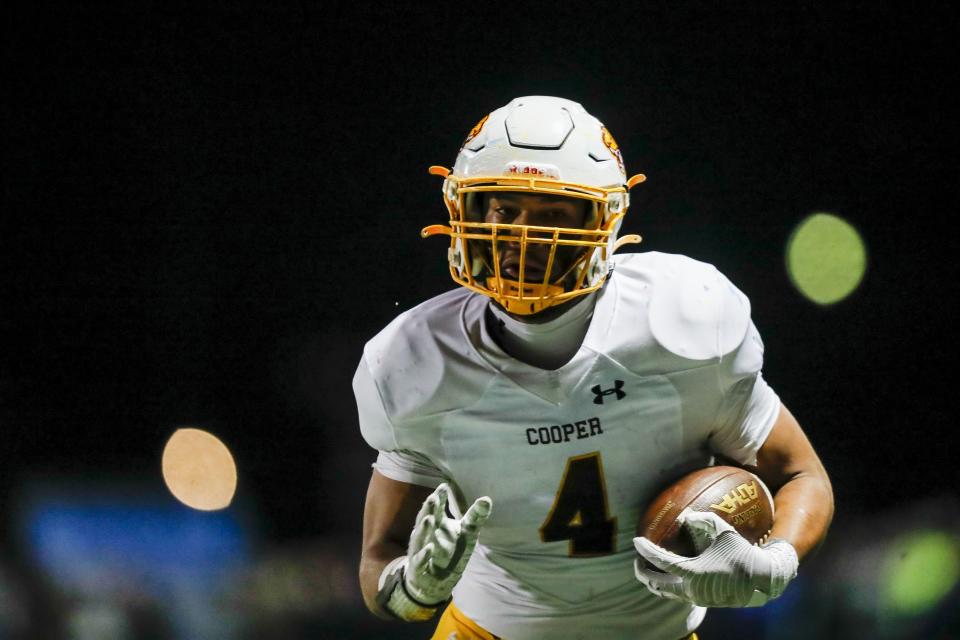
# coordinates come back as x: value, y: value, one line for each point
x: 207, y: 209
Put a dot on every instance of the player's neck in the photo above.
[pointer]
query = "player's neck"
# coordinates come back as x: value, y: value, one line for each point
x: 545, y: 342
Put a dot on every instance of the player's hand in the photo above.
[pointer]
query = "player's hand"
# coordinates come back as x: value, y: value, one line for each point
x: 440, y: 546
x: 728, y: 572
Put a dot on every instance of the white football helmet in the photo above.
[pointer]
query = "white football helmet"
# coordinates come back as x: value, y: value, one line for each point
x: 535, y: 145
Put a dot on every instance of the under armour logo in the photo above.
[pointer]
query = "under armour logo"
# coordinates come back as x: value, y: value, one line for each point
x: 617, y: 389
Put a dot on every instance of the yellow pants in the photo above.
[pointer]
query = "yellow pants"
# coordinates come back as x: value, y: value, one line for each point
x: 454, y: 625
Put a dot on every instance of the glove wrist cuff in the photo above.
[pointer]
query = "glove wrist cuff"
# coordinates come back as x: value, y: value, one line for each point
x: 394, y: 597
x: 785, y: 565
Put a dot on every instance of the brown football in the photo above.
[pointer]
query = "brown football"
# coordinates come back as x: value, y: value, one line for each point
x: 734, y: 494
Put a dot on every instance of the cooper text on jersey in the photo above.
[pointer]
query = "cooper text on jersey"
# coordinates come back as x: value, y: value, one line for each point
x: 564, y: 432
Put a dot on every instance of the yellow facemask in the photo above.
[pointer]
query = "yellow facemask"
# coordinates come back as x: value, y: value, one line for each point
x: 475, y: 246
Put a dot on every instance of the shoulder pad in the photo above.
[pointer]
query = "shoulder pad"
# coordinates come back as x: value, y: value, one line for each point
x: 695, y: 311
x: 416, y: 355
x: 410, y: 340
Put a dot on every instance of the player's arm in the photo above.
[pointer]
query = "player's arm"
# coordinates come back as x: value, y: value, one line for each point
x: 729, y: 571
x: 409, y: 576
x: 388, y: 518
x: 803, y: 495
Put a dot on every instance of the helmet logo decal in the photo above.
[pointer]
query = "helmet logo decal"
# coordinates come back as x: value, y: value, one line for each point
x: 476, y: 130
x: 530, y: 169
x: 613, y: 146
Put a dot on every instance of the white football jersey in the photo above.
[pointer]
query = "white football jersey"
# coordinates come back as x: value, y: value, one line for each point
x: 668, y: 374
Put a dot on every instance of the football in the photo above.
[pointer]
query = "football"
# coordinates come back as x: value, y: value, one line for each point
x: 734, y: 494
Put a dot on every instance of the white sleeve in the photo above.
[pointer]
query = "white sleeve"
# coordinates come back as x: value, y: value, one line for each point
x: 378, y: 430
x: 749, y: 406
x: 409, y: 467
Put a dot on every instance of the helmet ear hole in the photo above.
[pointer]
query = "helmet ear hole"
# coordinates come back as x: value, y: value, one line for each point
x: 450, y: 189
x: 615, y: 203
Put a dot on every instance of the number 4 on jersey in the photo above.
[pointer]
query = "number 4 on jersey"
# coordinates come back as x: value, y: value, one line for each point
x: 579, y: 512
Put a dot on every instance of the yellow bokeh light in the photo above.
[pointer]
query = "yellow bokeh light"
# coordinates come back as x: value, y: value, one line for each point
x: 826, y: 258
x: 199, y: 470
x: 920, y: 571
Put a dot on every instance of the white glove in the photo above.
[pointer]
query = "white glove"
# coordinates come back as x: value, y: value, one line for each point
x: 728, y: 572
x: 437, y: 554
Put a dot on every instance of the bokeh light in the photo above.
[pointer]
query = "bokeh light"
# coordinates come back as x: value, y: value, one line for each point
x: 199, y: 469
x: 826, y: 258
x: 920, y: 569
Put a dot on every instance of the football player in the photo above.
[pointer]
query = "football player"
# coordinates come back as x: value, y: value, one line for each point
x: 525, y: 419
